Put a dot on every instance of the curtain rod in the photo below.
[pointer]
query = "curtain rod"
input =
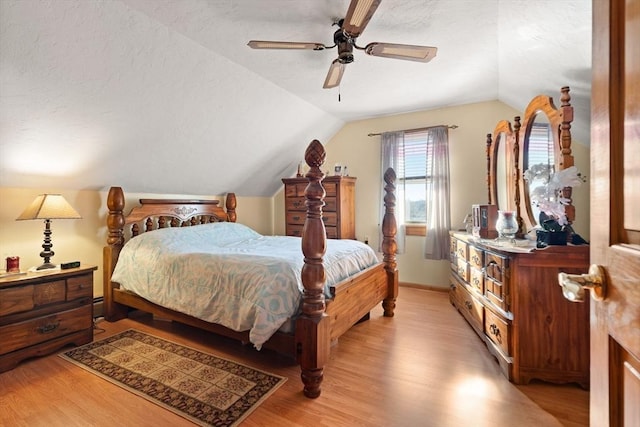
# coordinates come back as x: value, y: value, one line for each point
x: 417, y: 129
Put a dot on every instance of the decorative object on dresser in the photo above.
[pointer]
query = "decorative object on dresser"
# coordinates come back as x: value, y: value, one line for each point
x: 48, y: 207
x: 43, y: 311
x: 511, y: 298
x: 338, y: 213
x: 484, y: 219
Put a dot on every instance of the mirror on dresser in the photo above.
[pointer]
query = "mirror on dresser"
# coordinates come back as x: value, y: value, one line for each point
x: 542, y: 138
x: 546, y: 143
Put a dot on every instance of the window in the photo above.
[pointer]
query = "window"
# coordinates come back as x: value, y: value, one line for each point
x: 413, y: 176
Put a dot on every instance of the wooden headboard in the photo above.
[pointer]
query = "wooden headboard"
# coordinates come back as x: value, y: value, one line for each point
x: 152, y: 214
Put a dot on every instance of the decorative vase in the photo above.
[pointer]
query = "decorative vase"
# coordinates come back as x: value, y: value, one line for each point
x: 507, y: 226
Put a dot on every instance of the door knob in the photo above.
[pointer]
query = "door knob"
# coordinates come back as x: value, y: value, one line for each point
x: 573, y: 285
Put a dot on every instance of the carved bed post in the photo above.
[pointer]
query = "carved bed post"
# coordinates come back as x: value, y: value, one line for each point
x: 115, y: 241
x: 313, y: 327
x: 389, y: 246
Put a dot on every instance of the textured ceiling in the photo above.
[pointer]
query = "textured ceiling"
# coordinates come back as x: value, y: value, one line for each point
x: 129, y: 92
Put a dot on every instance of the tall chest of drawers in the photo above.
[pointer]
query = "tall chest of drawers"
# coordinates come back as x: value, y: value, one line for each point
x: 338, y: 213
x: 513, y: 301
x: 42, y: 312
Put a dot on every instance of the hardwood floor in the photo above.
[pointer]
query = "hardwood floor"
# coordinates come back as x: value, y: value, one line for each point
x: 423, y: 367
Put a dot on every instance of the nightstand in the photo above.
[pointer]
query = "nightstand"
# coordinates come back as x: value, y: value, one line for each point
x: 40, y: 312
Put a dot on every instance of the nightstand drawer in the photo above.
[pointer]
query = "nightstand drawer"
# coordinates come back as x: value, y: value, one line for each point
x: 79, y: 286
x: 15, y: 300
x: 24, y: 334
x: 49, y: 293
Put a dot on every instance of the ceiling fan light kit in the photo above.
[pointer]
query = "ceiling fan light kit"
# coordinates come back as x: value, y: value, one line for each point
x: 358, y: 16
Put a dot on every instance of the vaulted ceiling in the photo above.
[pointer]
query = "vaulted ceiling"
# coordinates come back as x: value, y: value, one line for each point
x: 165, y: 95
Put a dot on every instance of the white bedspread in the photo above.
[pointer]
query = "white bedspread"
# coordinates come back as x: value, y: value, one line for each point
x: 229, y: 274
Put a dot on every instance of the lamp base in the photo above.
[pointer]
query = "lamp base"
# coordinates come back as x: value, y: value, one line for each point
x: 45, y: 266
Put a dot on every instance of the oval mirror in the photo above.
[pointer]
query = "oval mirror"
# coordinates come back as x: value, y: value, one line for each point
x: 501, y: 172
x: 500, y: 166
x: 539, y: 154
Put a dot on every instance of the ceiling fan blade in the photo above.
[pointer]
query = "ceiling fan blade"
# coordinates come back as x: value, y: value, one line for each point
x: 358, y: 16
x: 402, y: 51
x: 265, y: 44
x: 334, y: 75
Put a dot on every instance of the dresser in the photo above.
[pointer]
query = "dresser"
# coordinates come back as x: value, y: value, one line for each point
x: 512, y: 300
x: 338, y: 214
x: 40, y: 312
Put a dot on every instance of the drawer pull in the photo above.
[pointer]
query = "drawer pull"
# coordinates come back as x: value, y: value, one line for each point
x: 476, y: 259
x: 452, y: 287
x: 297, y: 204
x: 468, y: 305
x: 296, y: 218
x: 495, y: 331
x: 49, y: 327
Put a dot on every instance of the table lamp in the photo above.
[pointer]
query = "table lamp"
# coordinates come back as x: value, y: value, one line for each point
x: 48, y: 207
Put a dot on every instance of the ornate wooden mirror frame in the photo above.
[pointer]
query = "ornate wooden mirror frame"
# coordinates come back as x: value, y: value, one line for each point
x: 560, y: 125
x: 516, y: 158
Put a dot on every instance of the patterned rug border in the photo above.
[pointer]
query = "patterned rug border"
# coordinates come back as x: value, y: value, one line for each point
x: 67, y: 355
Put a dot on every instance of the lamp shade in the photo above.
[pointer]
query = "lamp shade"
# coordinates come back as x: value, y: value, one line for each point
x: 49, y: 206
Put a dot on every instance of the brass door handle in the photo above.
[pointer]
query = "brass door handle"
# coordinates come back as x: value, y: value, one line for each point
x: 573, y: 285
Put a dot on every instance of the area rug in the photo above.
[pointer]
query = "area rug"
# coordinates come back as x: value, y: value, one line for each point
x: 207, y: 390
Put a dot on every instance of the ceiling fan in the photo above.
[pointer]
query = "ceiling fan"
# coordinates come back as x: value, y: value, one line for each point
x: 351, y: 27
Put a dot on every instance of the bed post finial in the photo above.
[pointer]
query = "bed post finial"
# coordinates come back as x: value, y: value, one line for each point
x: 313, y: 327
x: 230, y: 205
x: 389, y: 245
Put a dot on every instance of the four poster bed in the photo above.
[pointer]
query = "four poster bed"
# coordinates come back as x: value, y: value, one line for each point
x: 322, y: 314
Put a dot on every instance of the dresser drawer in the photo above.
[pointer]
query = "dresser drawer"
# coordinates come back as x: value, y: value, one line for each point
x: 477, y: 279
x: 24, y: 334
x: 295, y: 190
x: 294, y: 230
x: 330, y: 188
x: 496, y: 266
x: 296, y: 204
x: 330, y: 218
x: 296, y: 217
x: 496, y: 292
x: 497, y: 330
x: 49, y: 293
x: 462, y: 268
x: 461, y: 249
x: 332, y: 232
x: 79, y: 287
x: 330, y: 204
x: 476, y: 257
x: 471, y: 308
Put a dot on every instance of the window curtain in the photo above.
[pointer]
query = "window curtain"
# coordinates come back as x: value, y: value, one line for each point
x: 392, y: 145
x: 436, y: 245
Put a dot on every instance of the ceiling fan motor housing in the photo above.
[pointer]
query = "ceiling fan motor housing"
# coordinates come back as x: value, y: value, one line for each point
x: 345, y: 46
